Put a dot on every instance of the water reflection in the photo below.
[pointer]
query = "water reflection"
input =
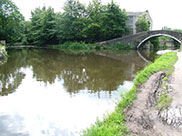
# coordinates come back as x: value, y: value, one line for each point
x: 49, y: 93
x: 90, y: 72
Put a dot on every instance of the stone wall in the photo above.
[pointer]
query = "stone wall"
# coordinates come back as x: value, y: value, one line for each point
x: 139, y: 38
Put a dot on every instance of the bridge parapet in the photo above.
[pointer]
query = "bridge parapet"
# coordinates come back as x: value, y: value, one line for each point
x: 138, y: 39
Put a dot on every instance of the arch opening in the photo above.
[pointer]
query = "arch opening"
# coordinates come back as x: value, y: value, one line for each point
x: 157, y: 35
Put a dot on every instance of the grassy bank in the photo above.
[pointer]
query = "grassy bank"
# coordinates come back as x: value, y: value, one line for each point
x: 114, y: 124
x: 83, y: 48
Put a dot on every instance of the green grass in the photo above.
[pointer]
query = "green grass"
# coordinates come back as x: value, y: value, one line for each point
x: 114, y: 124
x: 164, y: 63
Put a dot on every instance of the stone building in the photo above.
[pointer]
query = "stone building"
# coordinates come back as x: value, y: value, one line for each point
x: 133, y: 17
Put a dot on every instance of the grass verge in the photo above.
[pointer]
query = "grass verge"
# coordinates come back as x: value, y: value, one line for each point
x: 114, y: 124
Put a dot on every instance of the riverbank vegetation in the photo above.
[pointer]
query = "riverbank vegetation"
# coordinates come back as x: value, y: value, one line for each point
x: 114, y: 124
x: 83, y: 48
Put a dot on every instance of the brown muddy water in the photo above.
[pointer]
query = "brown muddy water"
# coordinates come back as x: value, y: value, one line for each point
x: 46, y: 92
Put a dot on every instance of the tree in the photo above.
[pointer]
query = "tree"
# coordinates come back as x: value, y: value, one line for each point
x: 92, y: 30
x: 113, y: 22
x: 94, y: 23
x: 142, y: 24
x: 105, y: 21
x: 11, y: 28
x: 43, y: 26
x: 27, y: 38
x: 72, y: 21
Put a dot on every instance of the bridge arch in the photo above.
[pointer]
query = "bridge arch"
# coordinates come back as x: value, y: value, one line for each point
x: 156, y: 35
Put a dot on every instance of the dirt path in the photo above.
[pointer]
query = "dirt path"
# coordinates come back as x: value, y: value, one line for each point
x: 143, y: 119
x: 176, y: 82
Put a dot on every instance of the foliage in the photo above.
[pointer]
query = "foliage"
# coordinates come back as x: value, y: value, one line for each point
x: 177, y: 30
x: 164, y: 101
x: 105, y: 21
x: 27, y: 38
x: 155, y: 42
x: 114, y: 124
x: 42, y: 29
x: 72, y: 21
x: 82, y: 47
x: 75, y: 47
x: 11, y: 28
x: 96, y: 22
x: 113, y: 22
x: 142, y: 24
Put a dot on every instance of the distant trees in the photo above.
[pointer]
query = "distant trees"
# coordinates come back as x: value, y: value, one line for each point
x: 11, y: 22
x: 92, y: 23
x: 96, y: 22
x: 142, y: 24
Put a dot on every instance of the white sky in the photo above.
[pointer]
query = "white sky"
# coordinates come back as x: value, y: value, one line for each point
x: 163, y: 12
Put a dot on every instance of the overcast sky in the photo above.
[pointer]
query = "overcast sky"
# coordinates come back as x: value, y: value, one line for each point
x: 163, y: 12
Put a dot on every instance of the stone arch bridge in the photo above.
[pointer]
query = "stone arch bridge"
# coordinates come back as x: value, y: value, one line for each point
x: 138, y: 39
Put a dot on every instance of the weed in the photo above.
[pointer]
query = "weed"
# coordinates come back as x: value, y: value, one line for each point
x: 164, y: 101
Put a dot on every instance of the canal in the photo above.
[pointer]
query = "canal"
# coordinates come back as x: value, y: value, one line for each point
x: 46, y: 92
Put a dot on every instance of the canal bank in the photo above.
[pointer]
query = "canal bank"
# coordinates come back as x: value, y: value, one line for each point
x: 157, y: 109
x: 121, y: 121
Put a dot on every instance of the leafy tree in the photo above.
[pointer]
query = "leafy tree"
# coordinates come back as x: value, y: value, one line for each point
x: 142, y: 24
x: 43, y: 26
x: 27, y: 37
x: 105, y: 21
x: 94, y: 23
x: 72, y: 21
x: 11, y: 28
x: 93, y: 29
x: 113, y: 22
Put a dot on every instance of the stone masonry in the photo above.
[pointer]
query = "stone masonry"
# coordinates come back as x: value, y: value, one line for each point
x: 136, y: 40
